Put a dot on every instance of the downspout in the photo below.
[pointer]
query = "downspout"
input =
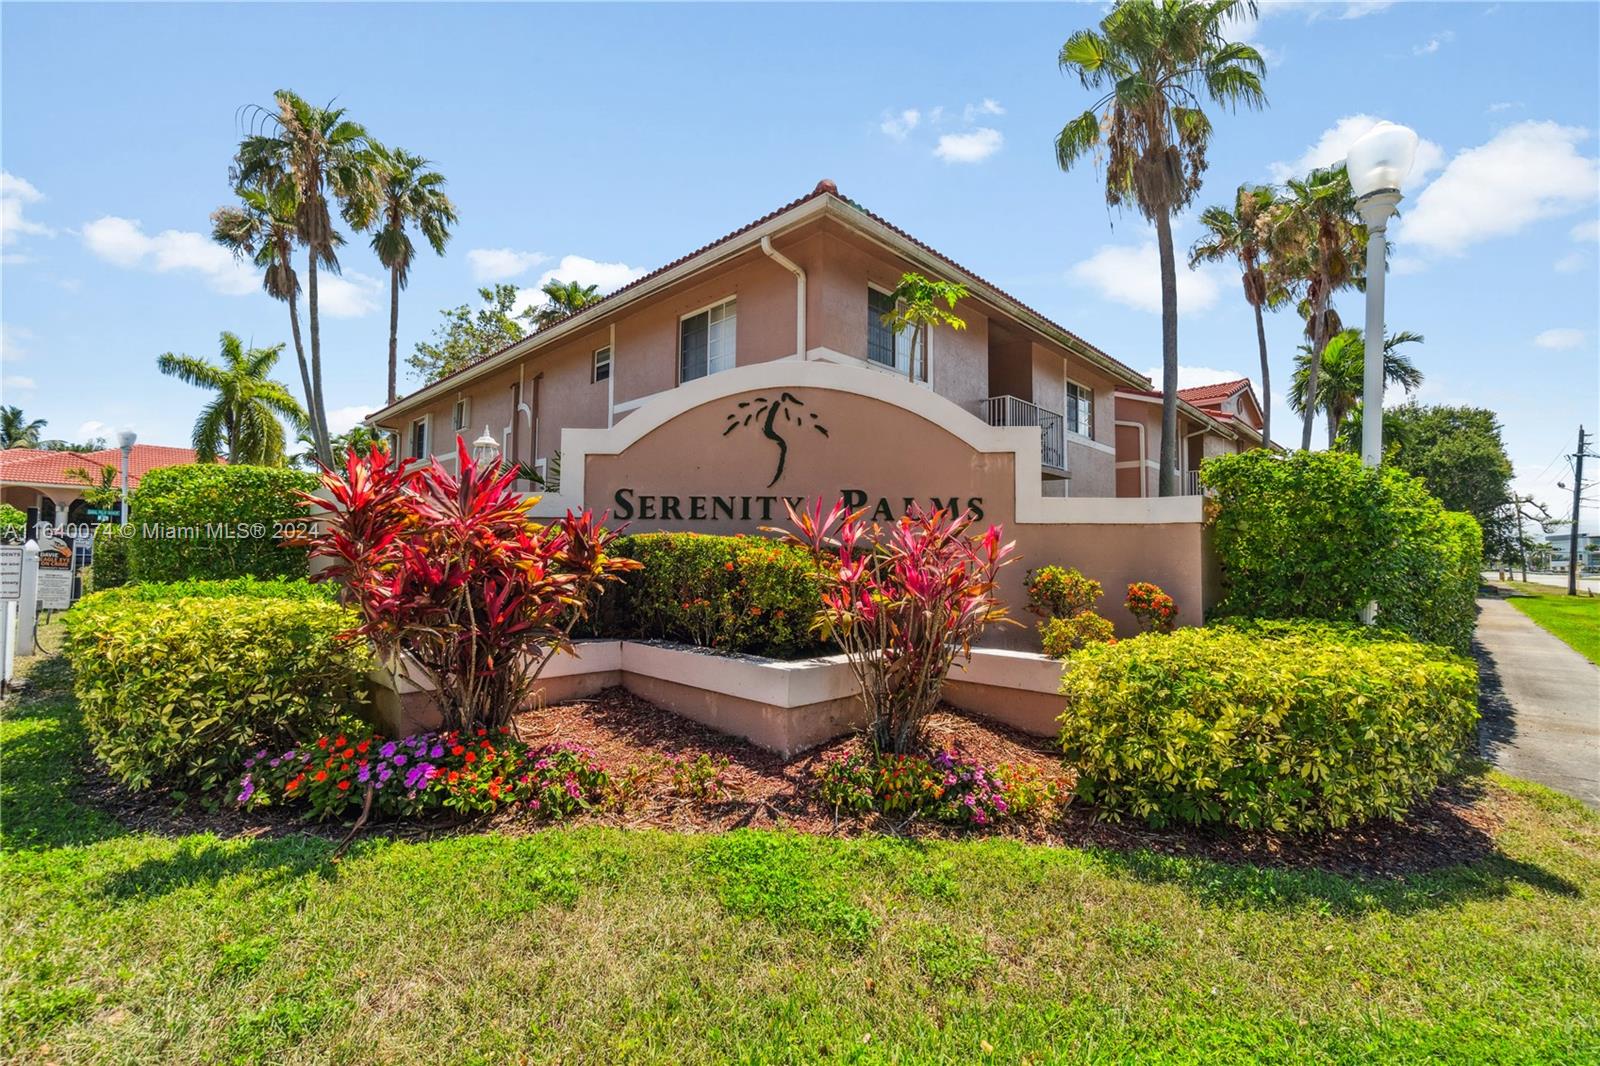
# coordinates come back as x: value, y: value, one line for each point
x: 799, y: 294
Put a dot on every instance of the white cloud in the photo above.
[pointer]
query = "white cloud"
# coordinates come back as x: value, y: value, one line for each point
x: 123, y: 242
x: 1526, y: 172
x: 349, y: 295
x: 14, y: 342
x: 94, y: 428
x: 17, y: 382
x: 1363, y: 8
x: 497, y: 264
x: 1502, y: 105
x: 989, y: 106
x: 1131, y: 276
x: 1192, y: 377
x: 1335, y: 143
x: 15, y: 195
x: 1434, y: 43
x: 972, y: 147
x: 900, y: 126
x: 608, y: 277
x: 1407, y: 264
x: 344, y: 419
x: 1587, y: 231
x: 1571, y: 263
x: 1560, y: 339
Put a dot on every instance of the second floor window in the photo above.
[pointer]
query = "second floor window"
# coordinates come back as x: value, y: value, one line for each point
x: 602, y: 365
x: 706, y: 341
x: 458, y: 416
x: 419, y: 439
x: 1080, y: 410
x: 885, y: 347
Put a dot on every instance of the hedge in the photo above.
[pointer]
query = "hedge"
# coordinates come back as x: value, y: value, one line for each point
x: 180, y: 691
x: 1286, y: 726
x: 212, y: 521
x: 737, y: 594
x: 277, y: 588
x: 110, y: 567
x: 1320, y: 535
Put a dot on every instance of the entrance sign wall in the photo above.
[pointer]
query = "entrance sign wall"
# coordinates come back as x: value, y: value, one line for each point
x: 721, y: 454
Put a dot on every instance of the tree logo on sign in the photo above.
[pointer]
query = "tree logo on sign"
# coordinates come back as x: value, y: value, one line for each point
x: 766, y: 412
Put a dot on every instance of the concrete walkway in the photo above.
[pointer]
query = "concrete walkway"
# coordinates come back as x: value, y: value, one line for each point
x: 1540, y: 702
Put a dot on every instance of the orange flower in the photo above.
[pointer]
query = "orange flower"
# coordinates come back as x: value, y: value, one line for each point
x: 344, y: 786
x: 322, y: 775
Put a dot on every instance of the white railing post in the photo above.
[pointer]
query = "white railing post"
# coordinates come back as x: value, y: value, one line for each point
x: 28, y: 598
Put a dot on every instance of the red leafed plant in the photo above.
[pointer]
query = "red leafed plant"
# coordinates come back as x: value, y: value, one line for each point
x: 449, y: 572
x: 902, y: 602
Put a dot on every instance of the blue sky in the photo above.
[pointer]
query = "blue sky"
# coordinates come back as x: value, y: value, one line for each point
x: 598, y: 142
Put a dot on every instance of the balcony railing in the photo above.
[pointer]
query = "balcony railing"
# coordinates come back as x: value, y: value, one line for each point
x: 1189, y: 483
x: 1014, y: 411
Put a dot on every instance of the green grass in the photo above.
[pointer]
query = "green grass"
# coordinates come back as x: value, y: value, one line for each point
x: 602, y: 945
x: 1573, y: 619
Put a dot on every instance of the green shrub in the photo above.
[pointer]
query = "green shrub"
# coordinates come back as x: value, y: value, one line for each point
x: 1320, y: 535
x: 1296, y: 727
x: 1063, y: 636
x: 277, y: 588
x: 210, y: 521
x: 1065, y: 600
x: 741, y: 594
x: 181, y: 691
x: 12, y: 520
x: 110, y: 557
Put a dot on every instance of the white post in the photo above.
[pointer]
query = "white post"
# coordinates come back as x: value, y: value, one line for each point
x: 1376, y: 210
x: 28, y: 601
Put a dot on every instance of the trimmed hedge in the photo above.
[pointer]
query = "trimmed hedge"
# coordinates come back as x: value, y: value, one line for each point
x: 1320, y: 535
x: 277, y: 588
x: 180, y: 691
x: 110, y: 556
x: 738, y: 594
x: 211, y: 521
x: 1285, y: 726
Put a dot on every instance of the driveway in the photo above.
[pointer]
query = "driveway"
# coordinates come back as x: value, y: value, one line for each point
x: 1540, y: 702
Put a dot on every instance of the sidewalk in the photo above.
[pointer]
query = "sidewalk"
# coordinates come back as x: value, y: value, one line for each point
x: 1540, y: 702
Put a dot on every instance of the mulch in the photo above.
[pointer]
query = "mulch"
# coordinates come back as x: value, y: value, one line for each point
x: 634, y: 739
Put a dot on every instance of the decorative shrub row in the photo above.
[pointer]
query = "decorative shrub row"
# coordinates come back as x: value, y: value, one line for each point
x: 739, y: 594
x: 1321, y: 535
x: 277, y: 588
x: 180, y: 691
x: 947, y: 786
x: 211, y: 521
x: 110, y: 569
x: 475, y: 774
x: 1284, y: 726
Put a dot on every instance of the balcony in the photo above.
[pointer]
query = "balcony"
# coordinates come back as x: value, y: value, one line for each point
x: 1012, y: 411
x: 1189, y: 483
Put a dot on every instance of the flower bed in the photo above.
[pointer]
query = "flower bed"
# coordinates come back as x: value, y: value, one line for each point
x: 948, y: 786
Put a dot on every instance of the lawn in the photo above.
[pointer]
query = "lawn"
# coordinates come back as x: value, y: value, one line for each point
x: 1574, y: 619
x: 614, y: 945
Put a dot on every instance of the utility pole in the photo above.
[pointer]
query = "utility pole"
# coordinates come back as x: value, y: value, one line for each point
x: 1572, y: 538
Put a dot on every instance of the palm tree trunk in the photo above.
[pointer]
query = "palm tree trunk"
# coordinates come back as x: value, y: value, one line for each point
x: 1169, y: 356
x: 319, y: 421
x: 394, y: 325
x: 300, y: 357
x: 1318, y: 340
x: 1266, y: 379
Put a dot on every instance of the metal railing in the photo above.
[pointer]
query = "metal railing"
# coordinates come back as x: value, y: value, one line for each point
x: 1189, y: 483
x: 1014, y: 411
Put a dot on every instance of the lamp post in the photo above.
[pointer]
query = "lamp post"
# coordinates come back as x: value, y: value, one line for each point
x: 1377, y: 164
x: 485, y: 449
x: 125, y: 441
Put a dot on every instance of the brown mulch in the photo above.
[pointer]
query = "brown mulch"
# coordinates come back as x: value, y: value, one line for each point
x: 633, y: 739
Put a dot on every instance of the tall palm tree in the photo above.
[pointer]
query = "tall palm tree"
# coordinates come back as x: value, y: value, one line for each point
x: 17, y: 430
x: 407, y: 193
x: 564, y: 298
x: 1315, y: 232
x: 241, y: 422
x: 1238, y: 234
x: 1157, y: 62
x: 261, y: 228
x: 1340, y: 385
x: 323, y: 158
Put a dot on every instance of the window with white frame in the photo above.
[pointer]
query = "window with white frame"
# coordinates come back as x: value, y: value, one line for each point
x: 1080, y: 410
x: 458, y: 415
x: 885, y: 347
x: 706, y: 341
x: 602, y: 365
x: 419, y: 439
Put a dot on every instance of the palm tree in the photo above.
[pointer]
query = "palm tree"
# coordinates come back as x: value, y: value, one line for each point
x: 407, y: 192
x: 1237, y: 234
x: 564, y: 298
x: 241, y: 422
x: 316, y: 153
x: 1340, y: 385
x: 17, y: 430
x: 1156, y: 62
x: 1315, y: 232
x: 261, y: 228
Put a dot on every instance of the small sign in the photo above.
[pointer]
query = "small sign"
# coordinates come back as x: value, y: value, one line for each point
x: 55, y: 589
x: 10, y: 571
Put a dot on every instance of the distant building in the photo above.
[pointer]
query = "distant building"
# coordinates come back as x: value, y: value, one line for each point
x: 1560, y: 544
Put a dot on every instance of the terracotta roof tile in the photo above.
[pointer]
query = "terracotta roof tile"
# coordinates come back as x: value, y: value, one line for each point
x: 35, y: 466
x: 1202, y: 394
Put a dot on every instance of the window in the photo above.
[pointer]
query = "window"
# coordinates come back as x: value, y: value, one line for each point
x: 419, y: 439
x: 602, y: 365
x: 706, y: 341
x: 1080, y: 410
x: 885, y: 347
x: 458, y: 415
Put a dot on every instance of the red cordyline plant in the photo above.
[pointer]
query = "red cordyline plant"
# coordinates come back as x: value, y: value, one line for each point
x: 902, y: 602
x: 449, y: 572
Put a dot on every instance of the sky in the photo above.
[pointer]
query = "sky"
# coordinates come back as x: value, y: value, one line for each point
x: 595, y: 143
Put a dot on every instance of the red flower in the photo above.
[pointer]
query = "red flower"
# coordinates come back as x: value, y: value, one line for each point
x: 322, y: 742
x: 457, y: 750
x: 322, y: 775
x: 344, y: 786
x: 471, y: 758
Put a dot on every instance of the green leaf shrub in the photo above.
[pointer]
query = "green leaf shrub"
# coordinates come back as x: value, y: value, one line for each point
x: 737, y: 594
x: 180, y: 691
x: 218, y: 522
x: 1285, y: 726
x: 110, y: 556
x: 1065, y: 600
x: 12, y: 521
x: 1320, y: 535
x: 277, y: 588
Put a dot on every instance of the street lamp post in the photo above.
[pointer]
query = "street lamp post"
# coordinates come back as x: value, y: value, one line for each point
x: 485, y: 449
x: 1377, y: 164
x: 125, y: 441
